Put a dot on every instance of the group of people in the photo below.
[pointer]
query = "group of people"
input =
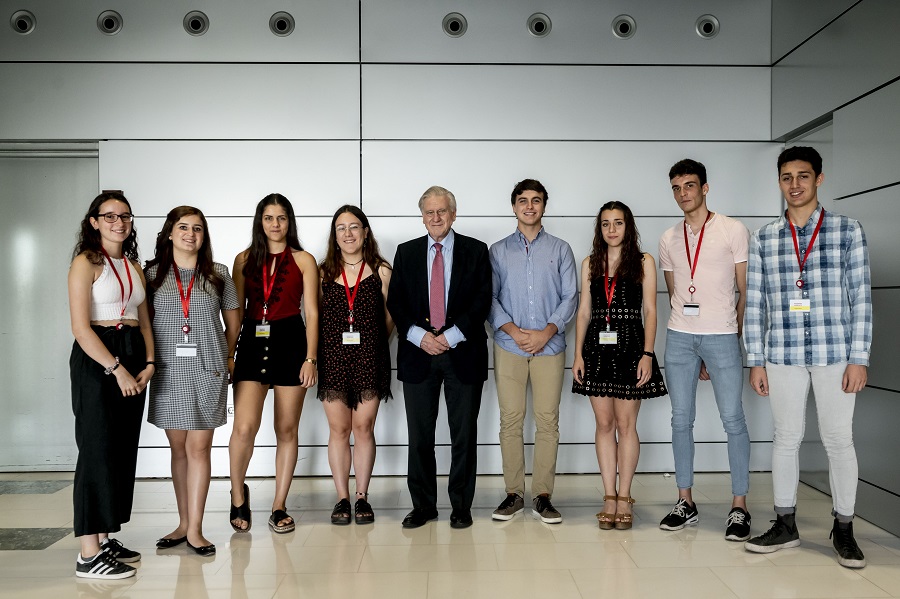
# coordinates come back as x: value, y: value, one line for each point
x: 798, y: 291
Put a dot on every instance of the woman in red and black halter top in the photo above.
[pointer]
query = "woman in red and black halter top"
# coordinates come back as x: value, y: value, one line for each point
x: 276, y: 349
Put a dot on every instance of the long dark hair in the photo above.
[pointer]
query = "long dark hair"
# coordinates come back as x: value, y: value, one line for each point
x: 259, y: 245
x: 631, y: 265
x: 163, y: 259
x: 331, y: 265
x: 88, y: 241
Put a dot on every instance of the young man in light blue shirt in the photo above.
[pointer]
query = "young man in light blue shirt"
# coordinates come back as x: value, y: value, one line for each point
x: 534, y: 296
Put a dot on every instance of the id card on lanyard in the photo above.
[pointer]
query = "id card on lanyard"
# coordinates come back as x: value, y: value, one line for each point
x: 186, y: 349
x: 608, y: 337
x: 692, y: 308
x: 802, y: 305
x: 351, y: 337
x: 264, y: 329
x: 125, y: 300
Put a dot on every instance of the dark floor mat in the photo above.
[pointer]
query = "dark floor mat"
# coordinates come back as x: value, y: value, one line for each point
x: 30, y: 538
x: 40, y: 487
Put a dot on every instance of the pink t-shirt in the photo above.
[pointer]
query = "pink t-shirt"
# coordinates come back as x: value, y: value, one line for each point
x: 725, y: 242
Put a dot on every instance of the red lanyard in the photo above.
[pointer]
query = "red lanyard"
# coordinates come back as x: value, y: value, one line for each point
x: 812, y: 240
x: 687, y: 250
x: 121, y: 284
x: 610, y: 289
x: 267, y: 286
x: 352, y: 297
x: 185, y: 298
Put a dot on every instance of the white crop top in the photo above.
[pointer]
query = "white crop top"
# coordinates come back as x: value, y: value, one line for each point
x: 106, y: 293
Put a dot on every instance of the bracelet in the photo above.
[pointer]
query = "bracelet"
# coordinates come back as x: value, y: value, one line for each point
x: 113, y: 367
x: 311, y: 361
x: 231, y: 357
x: 650, y: 353
x: 150, y: 363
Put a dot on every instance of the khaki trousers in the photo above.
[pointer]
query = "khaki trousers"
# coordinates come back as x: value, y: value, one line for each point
x: 512, y: 373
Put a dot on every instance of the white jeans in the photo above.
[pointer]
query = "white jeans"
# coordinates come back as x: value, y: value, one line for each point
x: 788, y: 390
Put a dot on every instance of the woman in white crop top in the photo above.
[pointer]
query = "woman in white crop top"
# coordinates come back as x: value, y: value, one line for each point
x: 111, y: 365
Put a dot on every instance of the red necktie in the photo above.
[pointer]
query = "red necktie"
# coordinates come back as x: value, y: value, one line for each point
x: 436, y: 296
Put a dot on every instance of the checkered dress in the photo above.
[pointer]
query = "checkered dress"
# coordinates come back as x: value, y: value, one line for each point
x: 190, y: 393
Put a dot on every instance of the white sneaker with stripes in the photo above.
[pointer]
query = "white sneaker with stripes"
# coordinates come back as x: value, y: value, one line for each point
x: 103, y: 566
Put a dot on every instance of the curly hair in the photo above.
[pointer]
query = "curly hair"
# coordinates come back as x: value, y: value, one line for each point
x: 88, y: 241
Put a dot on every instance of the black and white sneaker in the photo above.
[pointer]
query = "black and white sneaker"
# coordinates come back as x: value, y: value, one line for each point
x: 681, y: 515
x: 119, y: 552
x: 737, y: 525
x: 782, y: 535
x: 848, y: 552
x: 103, y: 566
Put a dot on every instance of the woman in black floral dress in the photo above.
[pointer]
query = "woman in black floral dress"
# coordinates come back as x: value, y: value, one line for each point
x: 614, y: 360
x: 354, y: 362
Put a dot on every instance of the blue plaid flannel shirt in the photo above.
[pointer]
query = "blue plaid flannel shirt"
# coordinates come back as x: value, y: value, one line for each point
x: 837, y: 282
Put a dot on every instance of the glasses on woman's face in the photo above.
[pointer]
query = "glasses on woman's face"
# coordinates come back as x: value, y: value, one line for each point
x: 112, y: 217
x: 340, y: 229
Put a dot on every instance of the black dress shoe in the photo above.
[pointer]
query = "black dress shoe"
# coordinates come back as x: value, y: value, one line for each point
x: 165, y: 543
x: 460, y: 519
x: 418, y: 517
x: 205, y: 550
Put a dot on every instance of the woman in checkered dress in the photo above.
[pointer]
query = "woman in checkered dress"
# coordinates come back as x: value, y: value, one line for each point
x: 189, y: 393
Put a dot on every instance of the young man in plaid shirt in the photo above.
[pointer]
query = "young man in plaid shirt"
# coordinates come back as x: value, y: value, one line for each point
x: 808, y: 320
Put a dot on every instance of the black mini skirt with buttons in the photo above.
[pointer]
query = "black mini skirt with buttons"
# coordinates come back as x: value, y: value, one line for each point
x: 272, y: 360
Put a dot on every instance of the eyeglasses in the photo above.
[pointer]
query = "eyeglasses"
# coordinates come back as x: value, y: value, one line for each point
x: 442, y: 212
x: 112, y: 217
x: 340, y: 229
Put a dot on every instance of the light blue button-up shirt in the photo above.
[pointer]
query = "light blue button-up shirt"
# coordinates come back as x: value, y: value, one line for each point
x: 534, y: 284
x: 453, y: 335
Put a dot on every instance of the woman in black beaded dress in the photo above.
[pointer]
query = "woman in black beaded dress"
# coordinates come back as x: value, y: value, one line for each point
x: 354, y: 362
x: 614, y: 360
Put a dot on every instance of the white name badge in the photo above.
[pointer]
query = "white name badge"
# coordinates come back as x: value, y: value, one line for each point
x: 186, y: 350
x: 691, y: 310
x: 799, y: 305
x: 263, y: 330
x: 351, y: 337
x: 608, y: 338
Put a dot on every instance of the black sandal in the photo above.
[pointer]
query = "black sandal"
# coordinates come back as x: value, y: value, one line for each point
x: 276, y: 517
x: 340, y: 515
x: 242, y: 512
x: 364, y: 513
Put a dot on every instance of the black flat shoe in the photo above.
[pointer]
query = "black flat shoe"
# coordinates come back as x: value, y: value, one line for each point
x: 460, y: 519
x: 165, y: 543
x: 418, y: 517
x: 205, y: 550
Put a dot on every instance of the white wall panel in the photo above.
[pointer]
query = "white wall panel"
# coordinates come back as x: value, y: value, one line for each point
x: 581, y: 32
x: 795, y: 20
x: 326, y: 31
x: 228, y: 179
x: 849, y: 58
x: 883, y: 371
x: 178, y: 101
x: 879, y: 213
x: 569, y: 102
x: 579, y: 176
x: 867, y: 142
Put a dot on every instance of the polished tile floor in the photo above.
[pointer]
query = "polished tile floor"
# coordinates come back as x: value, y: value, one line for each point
x: 520, y: 558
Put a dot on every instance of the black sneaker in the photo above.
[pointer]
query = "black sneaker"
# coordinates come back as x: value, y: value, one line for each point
x: 511, y: 506
x: 782, y: 535
x: 543, y: 509
x: 102, y: 565
x: 119, y: 552
x: 681, y: 515
x: 737, y: 525
x: 848, y: 552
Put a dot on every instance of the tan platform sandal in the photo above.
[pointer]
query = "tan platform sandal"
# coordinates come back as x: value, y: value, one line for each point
x: 606, y: 520
x: 624, y: 521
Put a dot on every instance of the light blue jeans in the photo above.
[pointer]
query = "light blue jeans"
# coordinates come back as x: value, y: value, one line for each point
x: 722, y: 356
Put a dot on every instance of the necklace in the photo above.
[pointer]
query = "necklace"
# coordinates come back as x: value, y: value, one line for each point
x: 351, y: 264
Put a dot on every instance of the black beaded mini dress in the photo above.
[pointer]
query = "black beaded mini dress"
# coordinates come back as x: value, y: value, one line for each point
x: 611, y: 370
x: 353, y: 373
